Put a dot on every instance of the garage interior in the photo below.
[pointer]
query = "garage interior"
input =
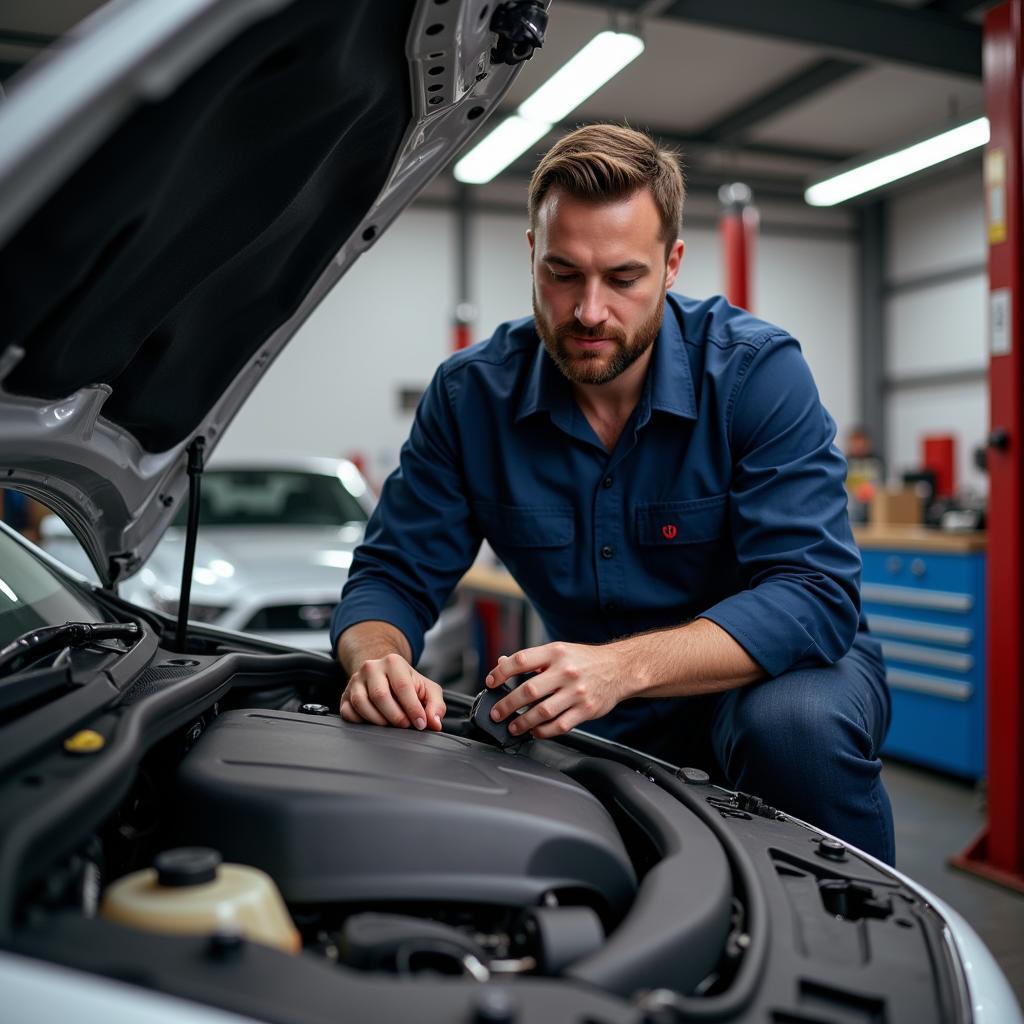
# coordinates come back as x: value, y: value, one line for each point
x: 894, y: 296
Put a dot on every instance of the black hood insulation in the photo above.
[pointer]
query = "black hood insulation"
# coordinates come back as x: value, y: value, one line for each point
x: 198, y: 227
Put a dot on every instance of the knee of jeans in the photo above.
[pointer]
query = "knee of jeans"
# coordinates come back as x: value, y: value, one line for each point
x: 794, y: 722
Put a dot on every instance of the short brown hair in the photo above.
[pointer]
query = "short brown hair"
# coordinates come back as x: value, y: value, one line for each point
x: 602, y: 162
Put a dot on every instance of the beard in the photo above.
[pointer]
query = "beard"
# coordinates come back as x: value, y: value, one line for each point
x: 596, y: 367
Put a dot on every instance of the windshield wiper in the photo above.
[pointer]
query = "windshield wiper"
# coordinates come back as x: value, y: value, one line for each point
x: 37, y: 642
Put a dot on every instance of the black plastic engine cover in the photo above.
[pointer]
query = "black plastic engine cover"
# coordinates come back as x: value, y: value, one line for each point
x: 354, y: 813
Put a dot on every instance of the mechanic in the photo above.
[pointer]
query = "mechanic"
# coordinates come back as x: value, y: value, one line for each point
x: 659, y: 476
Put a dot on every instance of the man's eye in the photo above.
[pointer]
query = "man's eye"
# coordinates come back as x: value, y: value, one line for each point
x: 561, y: 277
x: 620, y: 282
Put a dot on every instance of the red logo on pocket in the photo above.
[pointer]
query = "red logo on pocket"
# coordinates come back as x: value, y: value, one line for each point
x: 668, y: 531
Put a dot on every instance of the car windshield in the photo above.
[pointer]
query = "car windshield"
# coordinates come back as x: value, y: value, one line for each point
x: 33, y: 595
x: 259, y: 497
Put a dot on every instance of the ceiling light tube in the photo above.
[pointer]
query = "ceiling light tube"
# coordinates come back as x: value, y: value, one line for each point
x: 496, y: 151
x: 581, y: 76
x: 886, y: 169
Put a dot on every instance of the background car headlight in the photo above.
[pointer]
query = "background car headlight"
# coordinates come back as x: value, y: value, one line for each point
x: 196, y: 611
x: 291, y: 617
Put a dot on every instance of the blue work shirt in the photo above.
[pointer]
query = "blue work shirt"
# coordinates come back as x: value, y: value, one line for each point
x: 722, y: 499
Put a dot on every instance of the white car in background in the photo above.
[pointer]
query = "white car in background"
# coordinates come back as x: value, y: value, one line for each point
x: 276, y: 539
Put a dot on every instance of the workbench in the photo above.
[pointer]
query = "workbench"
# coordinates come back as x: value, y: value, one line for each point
x: 924, y: 595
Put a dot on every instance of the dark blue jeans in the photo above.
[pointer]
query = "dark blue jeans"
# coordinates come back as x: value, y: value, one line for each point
x: 806, y: 742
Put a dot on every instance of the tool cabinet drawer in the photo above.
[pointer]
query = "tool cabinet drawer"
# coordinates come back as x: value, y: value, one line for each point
x: 927, y: 609
x: 926, y: 570
x: 938, y: 729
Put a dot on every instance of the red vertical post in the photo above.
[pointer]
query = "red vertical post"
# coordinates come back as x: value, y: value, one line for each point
x: 738, y: 229
x: 998, y: 853
x: 461, y: 335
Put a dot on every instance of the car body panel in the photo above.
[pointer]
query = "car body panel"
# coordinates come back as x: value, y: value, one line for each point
x: 116, y: 495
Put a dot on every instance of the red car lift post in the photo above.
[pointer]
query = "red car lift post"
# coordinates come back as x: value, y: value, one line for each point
x: 998, y: 852
x: 738, y: 230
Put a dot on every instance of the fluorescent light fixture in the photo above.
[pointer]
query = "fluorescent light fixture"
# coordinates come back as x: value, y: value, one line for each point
x: 496, y: 151
x: 581, y: 76
x: 598, y: 62
x: 886, y: 169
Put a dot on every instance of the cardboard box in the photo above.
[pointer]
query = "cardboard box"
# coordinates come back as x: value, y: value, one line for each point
x: 896, y: 505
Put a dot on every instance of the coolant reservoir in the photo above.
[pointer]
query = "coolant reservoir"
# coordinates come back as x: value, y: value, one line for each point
x: 189, y: 891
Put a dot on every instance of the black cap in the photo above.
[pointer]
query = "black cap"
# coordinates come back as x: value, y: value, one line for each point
x: 832, y: 849
x: 186, y: 865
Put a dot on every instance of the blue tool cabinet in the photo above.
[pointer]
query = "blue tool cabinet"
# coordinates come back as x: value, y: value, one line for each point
x: 924, y: 595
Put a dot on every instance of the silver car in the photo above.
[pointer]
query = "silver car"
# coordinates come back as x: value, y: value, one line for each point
x: 275, y: 543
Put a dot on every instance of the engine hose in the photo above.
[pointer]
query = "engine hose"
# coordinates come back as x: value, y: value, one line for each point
x: 744, y: 986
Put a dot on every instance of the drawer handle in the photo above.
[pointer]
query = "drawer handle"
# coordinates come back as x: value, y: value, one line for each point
x: 908, y: 597
x: 917, y: 567
x: 894, y: 564
x: 954, y: 661
x: 919, y: 682
x: 908, y: 629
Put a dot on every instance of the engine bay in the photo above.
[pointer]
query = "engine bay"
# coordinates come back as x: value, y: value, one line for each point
x: 571, y: 880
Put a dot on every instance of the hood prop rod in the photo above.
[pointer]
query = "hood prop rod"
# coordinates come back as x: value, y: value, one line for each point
x: 195, y: 473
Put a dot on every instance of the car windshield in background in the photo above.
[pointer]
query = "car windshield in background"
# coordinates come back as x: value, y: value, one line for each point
x: 274, y: 498
x: 31, y: 596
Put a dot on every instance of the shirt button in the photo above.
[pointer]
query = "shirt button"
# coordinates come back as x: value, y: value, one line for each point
x: 607, y: 551
x: 606, y: 482
x: 610, y: 606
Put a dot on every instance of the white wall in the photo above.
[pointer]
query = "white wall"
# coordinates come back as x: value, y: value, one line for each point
x: 939, y: 326
x: 387, y: 325
x: 809, y: 287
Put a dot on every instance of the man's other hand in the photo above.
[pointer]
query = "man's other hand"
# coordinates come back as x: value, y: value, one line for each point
x: 574, y: 683
x: 389, y: 691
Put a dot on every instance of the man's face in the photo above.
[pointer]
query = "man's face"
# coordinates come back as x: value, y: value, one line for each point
x: 599, y: 280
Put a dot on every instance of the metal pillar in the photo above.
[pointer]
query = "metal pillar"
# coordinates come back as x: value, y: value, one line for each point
x: 465, y: 313
x: 871, y: 411
x: 998, y: 853
x: 738, y: 228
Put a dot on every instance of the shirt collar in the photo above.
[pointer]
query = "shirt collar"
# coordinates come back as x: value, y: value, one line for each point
x: 668, y: 383
x: 546, y: 389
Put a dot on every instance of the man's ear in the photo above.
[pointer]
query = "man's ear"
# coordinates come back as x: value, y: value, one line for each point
x: 675, y: 257
x: 529, y: 242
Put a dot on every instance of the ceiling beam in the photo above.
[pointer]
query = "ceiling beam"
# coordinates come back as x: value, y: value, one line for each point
x: 675, y: 140
x: 798, y: 87
x: 700, y: 179
x: 881, y: 31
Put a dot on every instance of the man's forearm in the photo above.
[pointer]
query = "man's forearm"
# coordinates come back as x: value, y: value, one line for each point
x: 697, y: 658
x: 368, y: 641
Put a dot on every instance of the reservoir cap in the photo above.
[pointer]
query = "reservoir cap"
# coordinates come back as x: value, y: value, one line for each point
x: 186, y: 865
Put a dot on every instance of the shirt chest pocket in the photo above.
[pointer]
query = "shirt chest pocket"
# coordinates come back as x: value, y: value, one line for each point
x: 674, y: 523
x: 535, y: 543
x: 526, y: 526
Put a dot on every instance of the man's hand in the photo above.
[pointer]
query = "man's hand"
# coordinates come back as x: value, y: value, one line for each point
x: 389, y: 691
x: 575, y: 683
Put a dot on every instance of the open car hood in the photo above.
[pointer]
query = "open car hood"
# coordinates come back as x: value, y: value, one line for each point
x: 180, y: 186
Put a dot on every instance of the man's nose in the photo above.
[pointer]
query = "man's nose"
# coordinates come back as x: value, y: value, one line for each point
x: 591, y: 309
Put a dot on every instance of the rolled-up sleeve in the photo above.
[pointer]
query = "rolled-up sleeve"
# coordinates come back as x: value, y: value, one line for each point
x: 788, y: 516
x: 420, y: 539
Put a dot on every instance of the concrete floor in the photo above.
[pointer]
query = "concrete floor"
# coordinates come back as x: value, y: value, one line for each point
x: 936, y: 817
